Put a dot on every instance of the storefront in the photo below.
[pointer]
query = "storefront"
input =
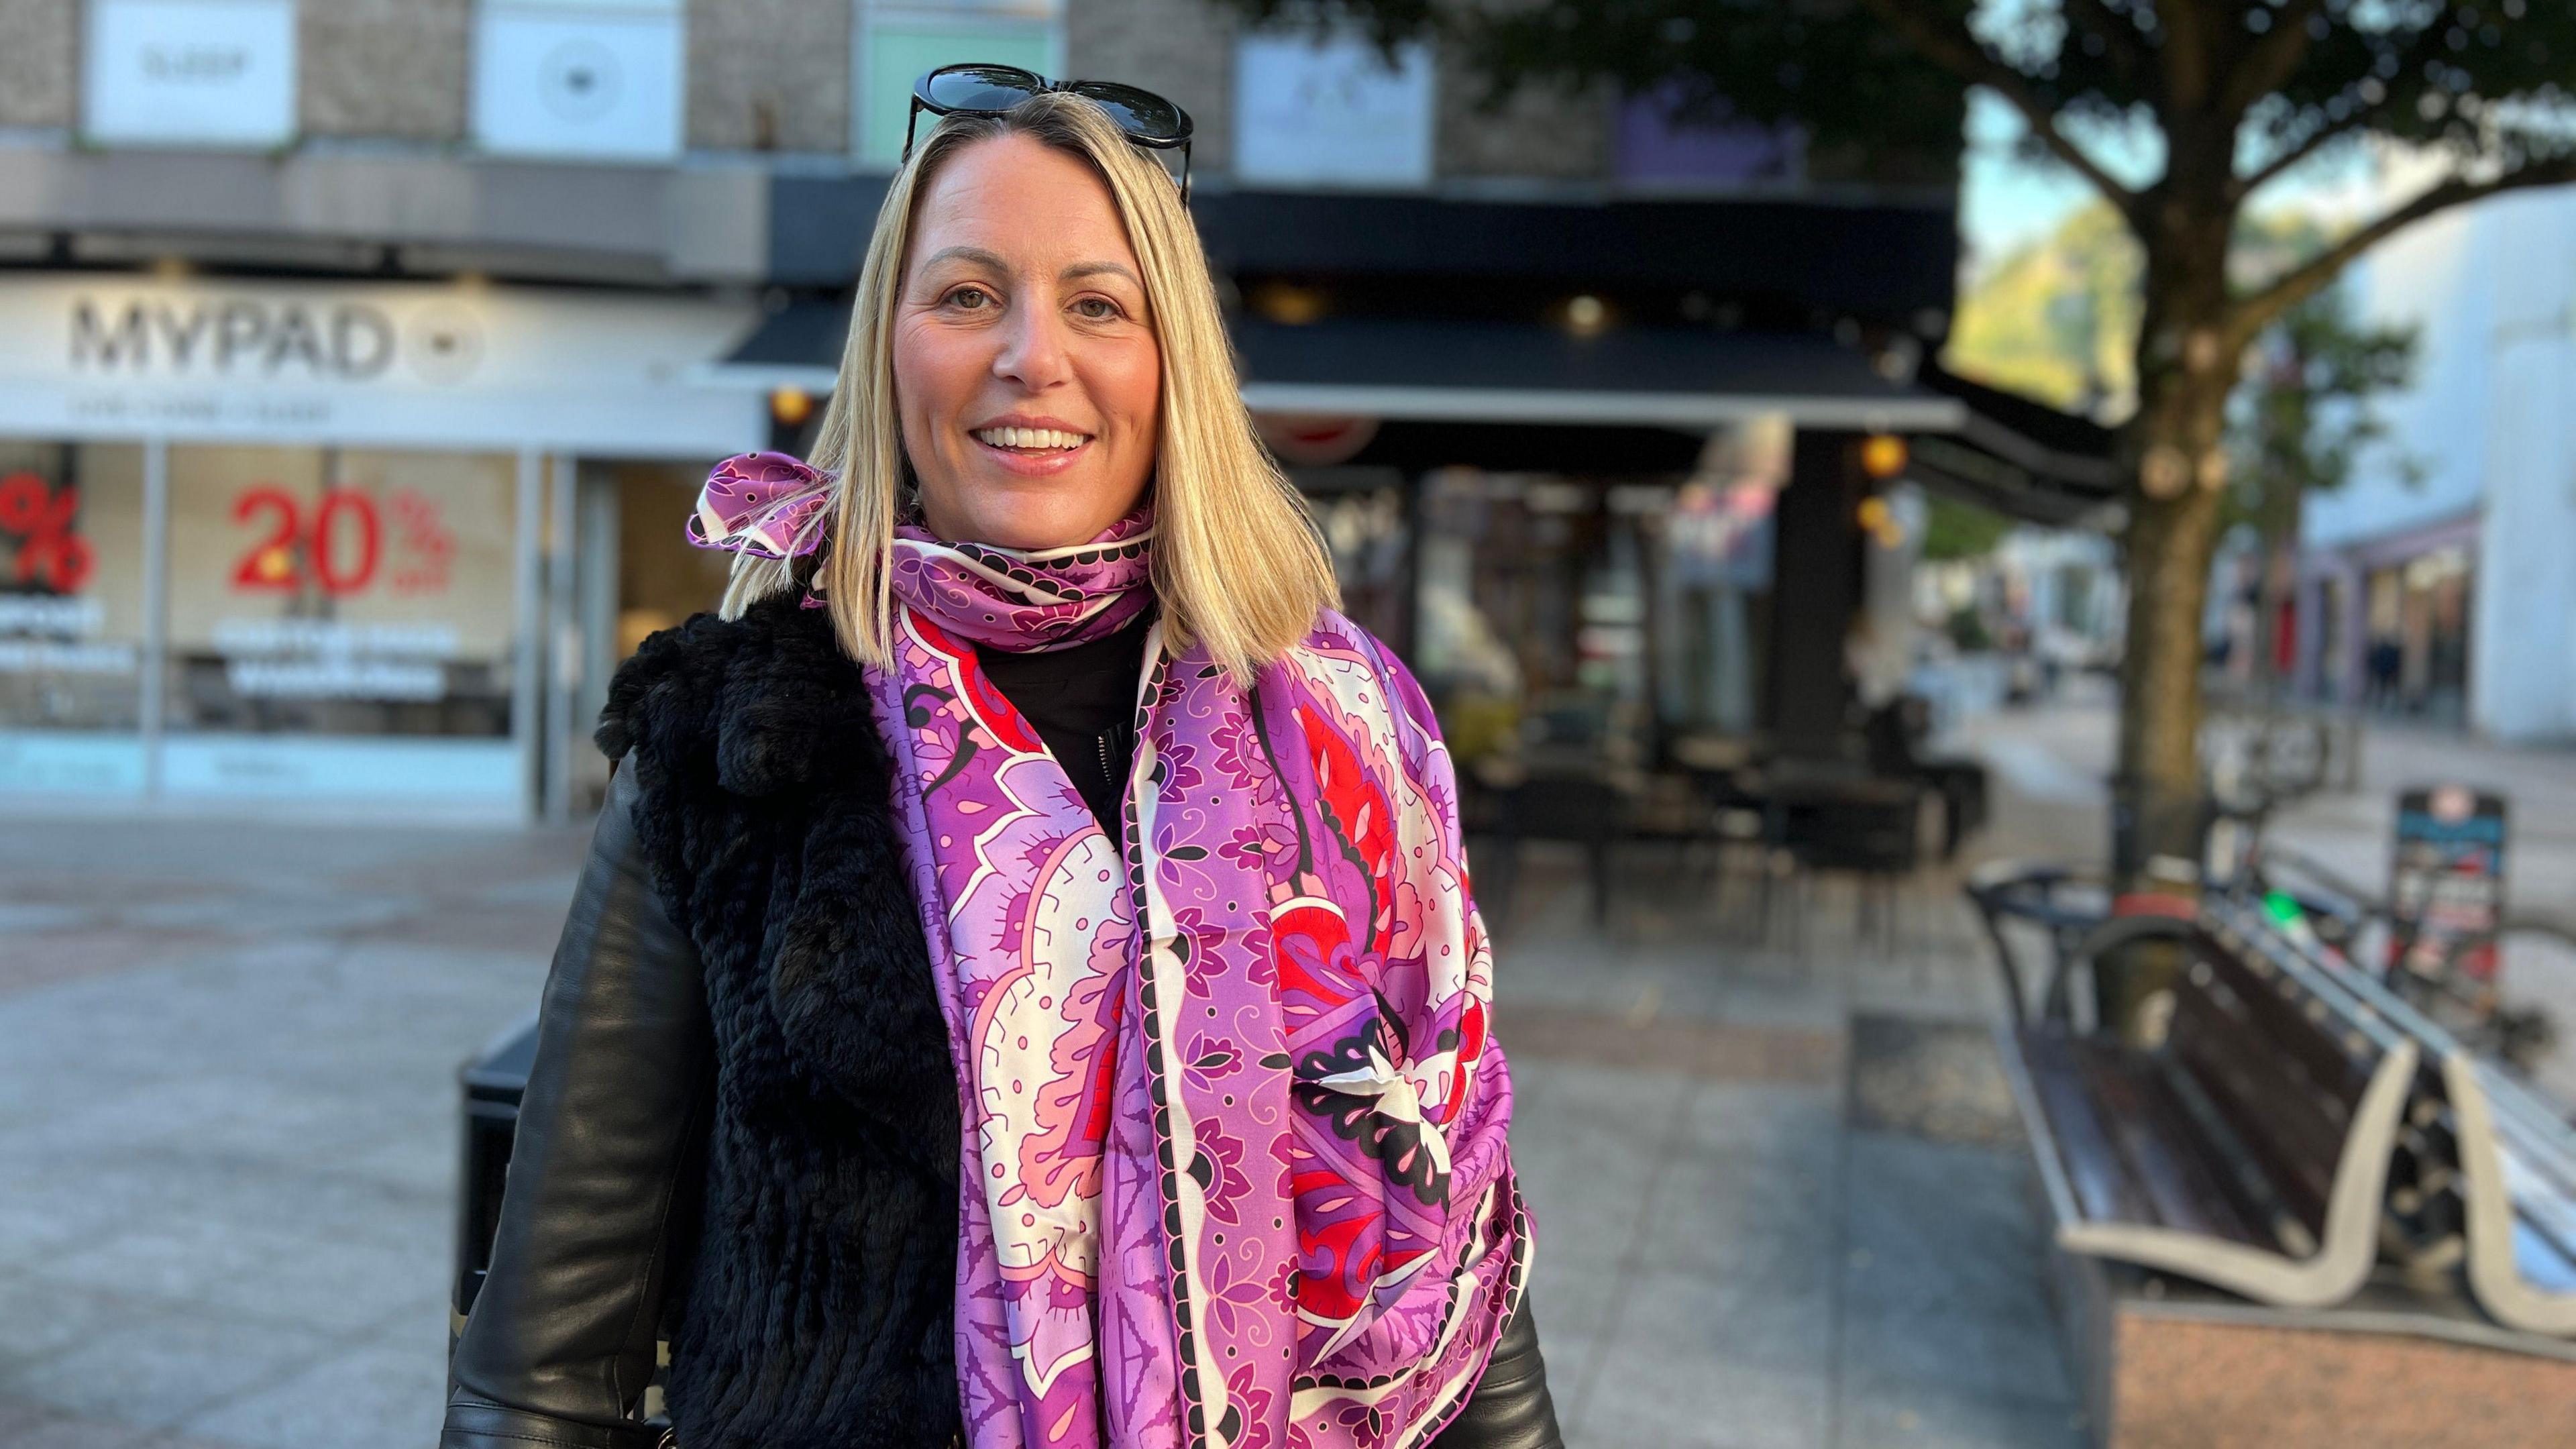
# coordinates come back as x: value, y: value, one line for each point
x: 2386, y: 623
x: 333, y: 547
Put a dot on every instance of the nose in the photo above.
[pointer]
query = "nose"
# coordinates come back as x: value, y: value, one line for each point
x: 1033, y: 352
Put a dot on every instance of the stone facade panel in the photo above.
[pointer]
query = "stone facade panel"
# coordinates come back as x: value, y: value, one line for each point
x: 388, y: 68
x: 1180, y: 49
x: 1541, y: 133
x: 39, y: 51
x: 769, y: 75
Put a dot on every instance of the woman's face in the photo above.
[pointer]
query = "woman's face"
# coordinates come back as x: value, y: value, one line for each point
x: 1025, y: 366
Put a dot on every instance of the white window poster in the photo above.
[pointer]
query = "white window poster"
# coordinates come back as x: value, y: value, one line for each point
x: 1331, y: 111
x: 595, y: 79
x: 190, y: 72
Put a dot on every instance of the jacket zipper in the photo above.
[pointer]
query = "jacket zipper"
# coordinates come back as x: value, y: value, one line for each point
x: 1106, y: 772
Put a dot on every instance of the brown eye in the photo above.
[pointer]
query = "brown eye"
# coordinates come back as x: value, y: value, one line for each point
x: 971, y: 299
x: 1106, y: 309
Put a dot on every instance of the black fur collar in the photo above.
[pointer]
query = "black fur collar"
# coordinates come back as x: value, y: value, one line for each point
x: 769, y: 698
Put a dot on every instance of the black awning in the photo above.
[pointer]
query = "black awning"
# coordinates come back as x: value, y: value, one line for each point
x: 1453, y: 370
x: 1445, y: 370
x: 2018, y: 457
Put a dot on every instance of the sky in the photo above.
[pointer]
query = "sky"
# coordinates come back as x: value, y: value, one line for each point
x: 2006, y: 202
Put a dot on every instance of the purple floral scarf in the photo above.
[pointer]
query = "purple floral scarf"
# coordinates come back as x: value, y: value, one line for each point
x: 1234, y: 1168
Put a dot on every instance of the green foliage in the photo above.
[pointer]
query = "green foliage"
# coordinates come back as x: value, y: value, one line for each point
x: 2306, y: 411
x: 1968, y: 632
x: 1955, y: 530
x: 2058, y: 319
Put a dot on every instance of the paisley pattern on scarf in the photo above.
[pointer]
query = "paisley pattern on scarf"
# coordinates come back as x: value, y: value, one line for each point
x: 1235, y: 1169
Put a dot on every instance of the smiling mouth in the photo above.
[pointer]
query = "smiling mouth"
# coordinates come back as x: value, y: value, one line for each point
x: 1029, y: 442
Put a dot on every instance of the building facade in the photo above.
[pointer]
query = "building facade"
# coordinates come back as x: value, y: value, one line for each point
x: 364, y: 357
x: 2441, y: 582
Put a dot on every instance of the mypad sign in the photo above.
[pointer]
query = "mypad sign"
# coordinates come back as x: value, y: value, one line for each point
x: 394, y: 364
x: 180, y: 336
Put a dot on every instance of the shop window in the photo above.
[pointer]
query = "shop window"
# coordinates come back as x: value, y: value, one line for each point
x: 189, y: 72
x: 590, y: 79
x: 896, y: 44
x: 342, y: 622
x: 1331, y: 111
x: 71, y: 618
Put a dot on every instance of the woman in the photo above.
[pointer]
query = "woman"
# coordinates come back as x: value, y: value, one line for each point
x: 1024, y: 991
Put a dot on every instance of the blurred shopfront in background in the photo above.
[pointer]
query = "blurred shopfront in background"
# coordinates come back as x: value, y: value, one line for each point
x: 309, y: 545
x: 363, y: 362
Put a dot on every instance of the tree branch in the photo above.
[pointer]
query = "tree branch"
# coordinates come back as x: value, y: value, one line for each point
x: 2272, y: 60
x: 2327, y: 132
x: 1960, y: 54
x: 2128, y: 54
x: 2251, y: 314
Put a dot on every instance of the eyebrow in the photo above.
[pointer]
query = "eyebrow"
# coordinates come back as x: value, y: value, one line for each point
x: 1092, y: 269
x: 994, y: 260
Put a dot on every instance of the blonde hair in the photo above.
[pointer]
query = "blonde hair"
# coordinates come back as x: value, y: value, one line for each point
x: 1238, y: 568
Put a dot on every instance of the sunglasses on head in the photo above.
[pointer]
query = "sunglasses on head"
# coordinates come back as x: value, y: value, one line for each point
x: 991, y: 90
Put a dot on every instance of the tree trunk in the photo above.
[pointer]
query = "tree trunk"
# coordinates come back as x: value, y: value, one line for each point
x: 2175, y: 449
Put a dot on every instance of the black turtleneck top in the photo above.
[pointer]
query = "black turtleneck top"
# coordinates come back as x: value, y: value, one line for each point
x: 1082, y: 701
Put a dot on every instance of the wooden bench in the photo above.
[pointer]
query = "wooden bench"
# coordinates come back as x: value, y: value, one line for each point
x: 2249, y: 1149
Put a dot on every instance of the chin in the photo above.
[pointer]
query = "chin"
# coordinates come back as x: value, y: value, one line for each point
x: 1031, y: 524
x: 1010, y: 514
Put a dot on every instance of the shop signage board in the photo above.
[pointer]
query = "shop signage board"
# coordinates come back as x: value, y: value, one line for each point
x: 1331, y: 111
x: 593, y: 79
x: 189, y: 72
x: 2446, y: 880
x: 447, y: 367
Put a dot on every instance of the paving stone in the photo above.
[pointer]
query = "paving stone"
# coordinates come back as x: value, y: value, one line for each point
x: 1647, y: 1397
x: 177, y: 1258
x: 1941, y: 1228
x: 151, y: 1373
x: 333, y: 1284
x: 387, y: 1384
x: 38, y: 1318
x: 65, y: 1431
x: 1587, y: 1140
x: 1944, y: 1416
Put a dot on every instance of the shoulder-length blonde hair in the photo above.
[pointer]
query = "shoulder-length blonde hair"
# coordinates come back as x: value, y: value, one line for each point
x: 1238, y: 568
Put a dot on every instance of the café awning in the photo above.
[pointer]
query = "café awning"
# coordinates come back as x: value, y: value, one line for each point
x: 2016, y: 456
x: 1457, y: 370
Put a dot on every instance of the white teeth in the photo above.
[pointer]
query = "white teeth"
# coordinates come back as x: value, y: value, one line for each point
x: 1028, y: 438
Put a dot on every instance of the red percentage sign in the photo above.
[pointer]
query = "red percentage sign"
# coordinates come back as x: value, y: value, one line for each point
x: 42, y: 519
x: 428, y: 542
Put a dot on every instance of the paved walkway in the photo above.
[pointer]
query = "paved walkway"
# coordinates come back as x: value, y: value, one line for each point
x: 1780, y: 1198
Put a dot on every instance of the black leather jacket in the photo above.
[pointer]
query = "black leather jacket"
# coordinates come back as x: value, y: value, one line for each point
x: 609, y: 1150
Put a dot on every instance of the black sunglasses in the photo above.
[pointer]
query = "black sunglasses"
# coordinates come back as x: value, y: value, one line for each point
x: 990, y: 90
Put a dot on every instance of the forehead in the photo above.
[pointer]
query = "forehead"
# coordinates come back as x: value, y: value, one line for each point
x: 1035, y: 206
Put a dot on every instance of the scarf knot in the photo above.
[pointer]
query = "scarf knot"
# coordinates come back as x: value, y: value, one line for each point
x: 770, y: 505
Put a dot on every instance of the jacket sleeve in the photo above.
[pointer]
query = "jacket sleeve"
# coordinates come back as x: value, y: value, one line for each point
x: 1510, y: 1408
x: 560, y: 1341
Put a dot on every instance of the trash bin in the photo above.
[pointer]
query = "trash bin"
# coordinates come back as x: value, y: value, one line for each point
x: 492, y: 1083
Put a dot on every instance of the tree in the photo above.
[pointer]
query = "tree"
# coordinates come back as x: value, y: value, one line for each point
x: 2223, y: 98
